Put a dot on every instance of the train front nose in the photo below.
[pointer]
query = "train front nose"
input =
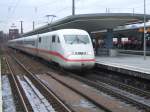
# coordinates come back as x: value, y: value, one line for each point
x: 79, y: 65
x: 80, y: 60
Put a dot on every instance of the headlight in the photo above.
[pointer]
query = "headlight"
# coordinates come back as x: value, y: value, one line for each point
x: 69, y: 53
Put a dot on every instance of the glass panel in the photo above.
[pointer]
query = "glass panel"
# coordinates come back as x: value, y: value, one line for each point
x: 53, y: 38
x: 76, y: 39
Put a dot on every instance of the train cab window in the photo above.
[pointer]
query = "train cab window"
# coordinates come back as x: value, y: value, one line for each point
x: 39, y: 39
x: 76, y: 39
x: 53, y: 38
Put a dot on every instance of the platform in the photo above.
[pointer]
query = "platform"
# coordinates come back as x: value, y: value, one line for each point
x: 127, y: 64
x: 0, y: 89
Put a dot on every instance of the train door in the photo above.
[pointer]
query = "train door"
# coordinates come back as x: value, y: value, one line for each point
x: 49, y: 47
x: 49, y: 44
x: 36, y: 45
x: 55, y: 47
x: 39, y: 45
x: 58, y: 45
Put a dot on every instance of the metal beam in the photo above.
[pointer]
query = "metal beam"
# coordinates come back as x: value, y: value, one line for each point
x: 73, y: 7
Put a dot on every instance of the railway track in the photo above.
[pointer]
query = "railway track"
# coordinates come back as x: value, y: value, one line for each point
x: 107, y: 89
x: 126, y: 92
x: 17, y: 89
x: 120, y: 85
x: 56, y: 103
x: 119, y: 93
x: 83, y: 100
x: 39, y: 103
x: 136, y: 82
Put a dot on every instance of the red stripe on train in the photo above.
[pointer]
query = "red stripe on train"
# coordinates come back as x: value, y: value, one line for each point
x: 60, y: 56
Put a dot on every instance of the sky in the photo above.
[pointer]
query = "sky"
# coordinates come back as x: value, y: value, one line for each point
x: 14, y: 11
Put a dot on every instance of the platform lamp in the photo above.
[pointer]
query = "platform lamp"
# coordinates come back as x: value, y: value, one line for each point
x: 144, y: 45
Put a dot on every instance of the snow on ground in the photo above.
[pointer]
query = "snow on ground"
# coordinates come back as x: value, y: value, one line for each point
x: 8, y: 101
x: 36, y: 99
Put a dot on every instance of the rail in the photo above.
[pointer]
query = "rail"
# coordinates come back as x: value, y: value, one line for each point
x: 117, y: 93
x: 15, y: 83
x: 122, y: 86
x: 136, y: 52
x: 57, y: 104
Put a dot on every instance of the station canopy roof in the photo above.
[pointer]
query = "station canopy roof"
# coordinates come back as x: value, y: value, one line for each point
x: 91, y: 22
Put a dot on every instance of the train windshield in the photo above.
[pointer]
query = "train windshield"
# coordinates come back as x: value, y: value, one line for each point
x: 76, y: 39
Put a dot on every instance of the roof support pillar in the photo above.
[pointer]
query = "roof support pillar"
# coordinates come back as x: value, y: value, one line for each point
x: 109, y: 38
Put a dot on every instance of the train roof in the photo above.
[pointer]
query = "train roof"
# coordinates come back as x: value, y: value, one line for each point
x: 66, y: 31
x: 24, y: 38
x: 59, y: 32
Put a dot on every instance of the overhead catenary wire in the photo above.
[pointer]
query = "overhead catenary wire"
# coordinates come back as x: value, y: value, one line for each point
x: 12, y: 13
x: 52, y: 7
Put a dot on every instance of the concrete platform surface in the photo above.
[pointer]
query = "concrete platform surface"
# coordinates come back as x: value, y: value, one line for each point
x: 127, y: 62
x: 0, y: 89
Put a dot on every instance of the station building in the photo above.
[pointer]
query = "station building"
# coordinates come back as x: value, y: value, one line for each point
x: 13, y: 33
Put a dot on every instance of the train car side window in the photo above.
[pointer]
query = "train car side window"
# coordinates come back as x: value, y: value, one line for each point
x: 39, y: 39
x: 53, y: 38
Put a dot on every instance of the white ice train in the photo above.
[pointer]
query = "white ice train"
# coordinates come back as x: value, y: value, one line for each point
x: 70, y: 48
